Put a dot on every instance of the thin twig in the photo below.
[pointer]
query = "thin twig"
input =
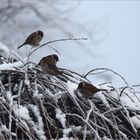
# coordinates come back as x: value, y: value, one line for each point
x: 58, y: 40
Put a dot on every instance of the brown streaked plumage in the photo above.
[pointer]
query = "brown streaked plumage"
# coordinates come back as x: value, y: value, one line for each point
x: 48, y: 65
x: 50, y: 59
x: 33, y: 39
x: 87, y: 89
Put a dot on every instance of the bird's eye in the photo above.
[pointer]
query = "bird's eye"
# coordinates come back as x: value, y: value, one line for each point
x: 55, y: 57
x: 80, y: 85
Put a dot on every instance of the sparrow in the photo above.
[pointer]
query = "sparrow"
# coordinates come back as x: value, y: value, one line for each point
x: 50, y: 59
x: 33, y: 39
x: 87, y: 89
x: 48, y: 65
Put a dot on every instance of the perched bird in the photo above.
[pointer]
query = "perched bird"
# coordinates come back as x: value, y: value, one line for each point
x: 33, y: 39
x: 50, y: 59
x: 48, y: 65
x: 87, y: 89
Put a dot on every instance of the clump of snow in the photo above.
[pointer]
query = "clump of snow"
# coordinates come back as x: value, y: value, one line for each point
x: 76, y: 128
x: 71, y: 88
x: 49, y: 93
x: 4, y: 128
x: 22, y: 112
x: 9, y: 97
x: 128, y: 102
x: 136, y: 121
x: 39, y: 128
x: 40, y: 133
x: 58, y: 95
x: 102, y: 98
x: 131, y: 99
x: 37, y: 113
x: 27, y: 82
x: 38, y: 96
x: 66, y: 131
x: 115, y: 93
x: 10, y: 66
x: 61, y: 117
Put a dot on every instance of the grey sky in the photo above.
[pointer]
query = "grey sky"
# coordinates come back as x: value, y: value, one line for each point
x: 120, y: 23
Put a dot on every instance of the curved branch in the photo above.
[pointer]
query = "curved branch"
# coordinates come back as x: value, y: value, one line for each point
x: 58, y: 40
x: 90, y: 72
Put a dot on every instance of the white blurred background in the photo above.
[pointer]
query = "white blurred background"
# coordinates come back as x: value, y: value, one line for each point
x: 112, y: 28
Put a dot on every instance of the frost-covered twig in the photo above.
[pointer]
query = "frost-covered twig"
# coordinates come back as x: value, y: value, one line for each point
x: 91, y: 72
x: 58, y: 40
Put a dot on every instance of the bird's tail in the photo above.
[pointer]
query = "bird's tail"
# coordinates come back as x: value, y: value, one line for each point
x: 62, y: 76
x: 103, y: 89
x: 21, y: 45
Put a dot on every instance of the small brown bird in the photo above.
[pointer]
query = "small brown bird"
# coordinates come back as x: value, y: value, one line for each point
x: 87, y: 89
x: 50, y: 59
x: 33, y: 39
x: 48, y: 65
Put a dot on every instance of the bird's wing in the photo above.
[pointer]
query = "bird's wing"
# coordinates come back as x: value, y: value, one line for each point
x: 91, y: 87
x: 30, y: 37
x: 54, y: 68
x: 51, y: 66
